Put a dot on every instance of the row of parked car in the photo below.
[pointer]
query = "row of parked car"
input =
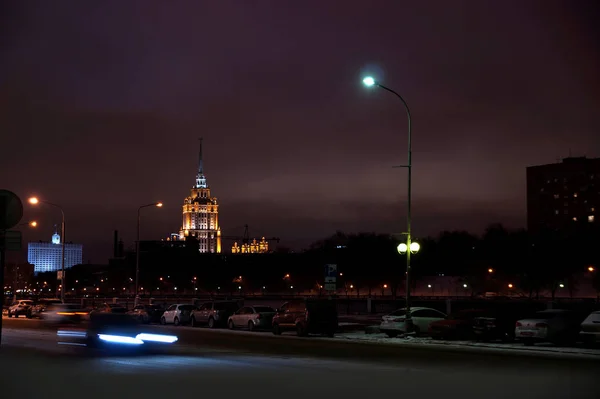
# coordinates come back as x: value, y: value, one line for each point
x: 557, y: 326
x: 310, y: 316
x: 319, y: 316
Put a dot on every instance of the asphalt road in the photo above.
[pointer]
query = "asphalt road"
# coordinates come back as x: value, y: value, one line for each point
x: 266, y: 343
x: 34, y: 366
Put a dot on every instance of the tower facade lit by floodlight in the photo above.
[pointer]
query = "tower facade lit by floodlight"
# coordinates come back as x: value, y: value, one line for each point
x: 201, y: 214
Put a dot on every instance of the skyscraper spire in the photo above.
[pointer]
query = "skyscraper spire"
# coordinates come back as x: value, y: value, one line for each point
x: 200, y: 165
x: 200, y: 178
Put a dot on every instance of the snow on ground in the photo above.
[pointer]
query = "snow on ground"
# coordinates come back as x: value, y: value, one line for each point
x: 517, y: 347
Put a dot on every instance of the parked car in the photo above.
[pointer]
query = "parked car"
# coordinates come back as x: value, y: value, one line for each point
x: 498, y: 324
x: 590, y: 329
x: 110, y: 308
x: 20, y: 308
x: 554, y: 325
x: 458, y: 325
x: 177, y: 314
x: 394, y: 324
x: 252, y: 317
x: 310, y: 316
x: 147, y: 313
x: 214, y: 314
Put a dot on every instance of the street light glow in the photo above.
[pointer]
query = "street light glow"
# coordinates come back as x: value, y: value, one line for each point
x: 369, y: 81
x: 490, y: 270
x: 33, y: 223
x: 402, y: 248
x: 159, y: 204
x: 414, y: 247
x: 510, y: 285
x: 591, y: 269
x: 34, y: 201
x: 561, y: 285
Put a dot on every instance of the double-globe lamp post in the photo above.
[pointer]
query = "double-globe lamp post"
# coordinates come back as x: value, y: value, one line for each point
x: 36, y: 201
x: 137, y: 251
x: 409, y: 247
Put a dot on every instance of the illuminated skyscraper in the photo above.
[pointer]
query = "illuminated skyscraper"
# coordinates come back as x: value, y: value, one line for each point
x: 201, y: 214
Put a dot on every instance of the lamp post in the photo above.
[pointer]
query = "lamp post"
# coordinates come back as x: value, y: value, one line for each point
x: 137, y: 251
x: 35, y: 201
x: 370, y: 82
x: 31, y: 223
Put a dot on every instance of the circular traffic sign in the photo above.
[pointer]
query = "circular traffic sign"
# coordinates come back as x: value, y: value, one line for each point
x: 11, y: 209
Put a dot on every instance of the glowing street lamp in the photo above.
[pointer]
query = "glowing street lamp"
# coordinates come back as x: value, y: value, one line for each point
x: 369, y: 81
x: 403, y: 248
x: 561, y: 285
x: 490, y: 270
x: 137, y: 251
x: 37, y: 201
x: 510, y: 285
x: 591, y: 269
x: 31, y: 223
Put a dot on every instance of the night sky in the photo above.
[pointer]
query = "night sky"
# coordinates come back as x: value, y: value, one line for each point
x: 101, y: 105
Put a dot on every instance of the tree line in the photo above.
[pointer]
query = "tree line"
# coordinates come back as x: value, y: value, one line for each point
x: 533, y: 262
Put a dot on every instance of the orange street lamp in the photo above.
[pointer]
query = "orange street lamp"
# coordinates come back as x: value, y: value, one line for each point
x: 591, y: 269
x: 510, y: 285
x: 36, y: 201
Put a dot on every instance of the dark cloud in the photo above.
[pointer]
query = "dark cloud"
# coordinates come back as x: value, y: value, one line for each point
x: 101, y: 105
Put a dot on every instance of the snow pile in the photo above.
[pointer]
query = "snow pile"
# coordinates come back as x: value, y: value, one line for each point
x: 384, y: 339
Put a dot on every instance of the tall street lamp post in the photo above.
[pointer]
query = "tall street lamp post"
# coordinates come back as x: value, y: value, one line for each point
x: 408, y: 247
x: 35, y: 201
x: 137, y: 251
x: 32, y: 223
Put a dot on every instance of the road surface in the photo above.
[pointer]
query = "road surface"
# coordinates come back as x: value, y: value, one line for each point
x: 259, y: 365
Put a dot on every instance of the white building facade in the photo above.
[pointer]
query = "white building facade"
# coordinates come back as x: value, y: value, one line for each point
x: 46, y: 256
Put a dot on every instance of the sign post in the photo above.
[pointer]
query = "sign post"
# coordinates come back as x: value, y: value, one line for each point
x: 11, y: 212
x: 330, y: 283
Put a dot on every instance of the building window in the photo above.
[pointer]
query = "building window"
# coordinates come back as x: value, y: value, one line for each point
x: 556, y: 196
x: 591, y: 218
